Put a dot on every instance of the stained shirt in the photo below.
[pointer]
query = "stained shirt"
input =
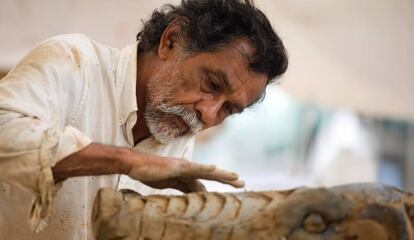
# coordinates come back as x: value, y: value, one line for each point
x: 68, y: 92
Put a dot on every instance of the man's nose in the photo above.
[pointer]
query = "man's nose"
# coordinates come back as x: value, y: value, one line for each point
x: 209, y: 111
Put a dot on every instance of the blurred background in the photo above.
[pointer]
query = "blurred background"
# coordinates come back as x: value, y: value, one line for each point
x: 342, y: 113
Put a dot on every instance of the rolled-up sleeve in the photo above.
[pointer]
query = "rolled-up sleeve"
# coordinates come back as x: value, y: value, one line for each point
x: 33, y: 133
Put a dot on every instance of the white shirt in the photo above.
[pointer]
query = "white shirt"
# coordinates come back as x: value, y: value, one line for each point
x: 67, y: 92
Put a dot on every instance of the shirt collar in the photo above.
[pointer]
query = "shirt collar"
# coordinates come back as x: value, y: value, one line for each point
x: 125, y: 80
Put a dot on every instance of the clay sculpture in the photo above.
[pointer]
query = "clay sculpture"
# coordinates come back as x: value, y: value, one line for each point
x: 357, y: 211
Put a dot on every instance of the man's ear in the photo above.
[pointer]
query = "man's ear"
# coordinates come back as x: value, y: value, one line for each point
x: 172, y: 39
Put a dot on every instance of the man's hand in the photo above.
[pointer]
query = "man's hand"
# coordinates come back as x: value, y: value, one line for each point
x: 155, y: 171
x: 180, y: 174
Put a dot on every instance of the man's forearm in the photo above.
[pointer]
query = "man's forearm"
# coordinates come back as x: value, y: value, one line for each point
x: 95, y: 159
x: 153, y: 170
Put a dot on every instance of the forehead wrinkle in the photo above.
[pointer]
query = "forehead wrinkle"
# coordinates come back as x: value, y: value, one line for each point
x: 244, y: 56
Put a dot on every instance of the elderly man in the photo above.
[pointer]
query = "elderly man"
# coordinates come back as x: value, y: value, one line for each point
x: 76, y: 115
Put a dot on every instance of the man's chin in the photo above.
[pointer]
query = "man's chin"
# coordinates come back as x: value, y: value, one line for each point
x: 163, y: 137
x: 165, y: 132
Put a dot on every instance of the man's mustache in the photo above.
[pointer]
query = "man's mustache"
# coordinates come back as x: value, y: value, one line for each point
x: 189, y: 116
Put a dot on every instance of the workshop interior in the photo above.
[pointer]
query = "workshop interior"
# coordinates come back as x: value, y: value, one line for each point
x: 342, y: 113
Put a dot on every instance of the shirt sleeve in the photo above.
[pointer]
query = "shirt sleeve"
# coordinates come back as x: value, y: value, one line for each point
x: 33, y: 133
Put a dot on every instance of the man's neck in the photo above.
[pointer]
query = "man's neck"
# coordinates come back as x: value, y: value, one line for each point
x: 140, y: 131
x: 144, y: 67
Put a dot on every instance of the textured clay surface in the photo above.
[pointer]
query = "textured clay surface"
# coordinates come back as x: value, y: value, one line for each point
x: 358, y: 211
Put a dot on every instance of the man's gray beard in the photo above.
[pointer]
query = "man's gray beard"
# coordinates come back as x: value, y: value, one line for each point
x: 165, y: 132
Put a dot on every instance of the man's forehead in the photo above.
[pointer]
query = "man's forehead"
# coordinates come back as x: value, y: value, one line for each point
x: 241, y: 47
x: 246, y: 86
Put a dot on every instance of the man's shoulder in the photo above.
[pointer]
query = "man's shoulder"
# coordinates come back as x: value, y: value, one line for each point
x: 74, y: 38
x: 81, y: 45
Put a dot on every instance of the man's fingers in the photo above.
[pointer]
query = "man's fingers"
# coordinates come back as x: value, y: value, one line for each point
x: 219, y: 174
x: 208, y: 172
x: 235, y: 183
x: 188, y: 174
x: 197, y: 171
x: 193, y: 168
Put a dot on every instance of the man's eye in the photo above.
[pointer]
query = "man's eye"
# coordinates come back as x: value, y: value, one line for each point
x: 213, y: 86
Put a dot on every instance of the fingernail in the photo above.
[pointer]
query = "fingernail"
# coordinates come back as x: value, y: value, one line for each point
x: 240, y: 183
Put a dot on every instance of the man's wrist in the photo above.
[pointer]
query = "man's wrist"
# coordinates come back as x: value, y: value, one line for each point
x: 122, y: 157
